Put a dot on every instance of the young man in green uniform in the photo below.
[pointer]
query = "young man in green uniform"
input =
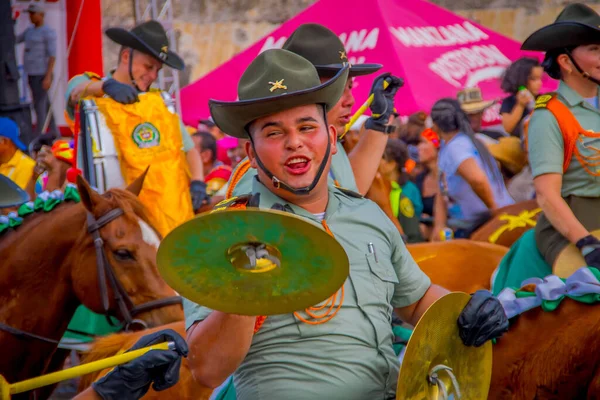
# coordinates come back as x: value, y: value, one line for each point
x: 144, y: 51
x: 283, y: 111
x: 324, y: 49
x: 563, y: 138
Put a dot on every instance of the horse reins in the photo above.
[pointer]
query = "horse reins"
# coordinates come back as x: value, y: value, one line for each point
x: 127, y: 309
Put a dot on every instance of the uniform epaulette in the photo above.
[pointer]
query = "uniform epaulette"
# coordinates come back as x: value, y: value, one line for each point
x: 234, y: 202
x: 349, y: 192
x: 543, y: 100
x: 92, y: 75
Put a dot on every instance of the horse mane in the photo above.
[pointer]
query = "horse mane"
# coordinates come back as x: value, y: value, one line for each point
x: 118, y: 198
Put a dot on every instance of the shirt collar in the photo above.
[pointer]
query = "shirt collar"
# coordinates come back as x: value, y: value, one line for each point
x: 268, y: 199
x: 571, y: 97
x: 16, y: 158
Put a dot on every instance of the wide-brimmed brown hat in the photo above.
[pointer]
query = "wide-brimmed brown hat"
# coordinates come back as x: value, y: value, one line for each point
x: 275, y: 81
x: 509, y: 152
x: 324, y: 49
x: 576, y: 25
x: 150, y: 38
x: 471, y: 100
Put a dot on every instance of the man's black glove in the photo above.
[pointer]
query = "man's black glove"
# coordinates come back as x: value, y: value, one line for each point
x: 198, y: 192
x: 482, y: 319
x: 131, y: 381
x: 120, y: 92
x: 589, y: 247
x: 382, y: 106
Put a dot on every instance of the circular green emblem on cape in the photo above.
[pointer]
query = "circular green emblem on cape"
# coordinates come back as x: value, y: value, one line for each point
x: 146, y: 135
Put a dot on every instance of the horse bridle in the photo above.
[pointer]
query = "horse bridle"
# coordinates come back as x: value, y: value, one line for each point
x: 127, y: 309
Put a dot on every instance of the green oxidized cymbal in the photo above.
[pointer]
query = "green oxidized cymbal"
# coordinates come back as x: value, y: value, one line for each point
x: 209, y: 260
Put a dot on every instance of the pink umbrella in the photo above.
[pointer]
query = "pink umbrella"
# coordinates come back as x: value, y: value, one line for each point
x: 437, y: 53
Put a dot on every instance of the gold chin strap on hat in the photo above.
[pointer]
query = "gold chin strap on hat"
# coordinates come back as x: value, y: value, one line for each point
x: 277, y: 183
x: 578, y: 68
x: 131, y: 71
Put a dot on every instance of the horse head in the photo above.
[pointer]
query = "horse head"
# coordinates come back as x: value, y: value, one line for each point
x: 114, y: 271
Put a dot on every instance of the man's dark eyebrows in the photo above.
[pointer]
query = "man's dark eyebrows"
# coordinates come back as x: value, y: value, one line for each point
x: 271, y: 123
x: 305, y: 119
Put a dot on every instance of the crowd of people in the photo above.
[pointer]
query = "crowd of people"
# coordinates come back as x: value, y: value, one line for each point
x: 289, y: 150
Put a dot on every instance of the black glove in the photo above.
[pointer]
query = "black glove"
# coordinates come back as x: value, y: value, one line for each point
x: 589, y: 247
x: 131, y: 381
x: 120, y: 92
x: 382, y: 106
x: 482, y: 319
x: 198, y: 192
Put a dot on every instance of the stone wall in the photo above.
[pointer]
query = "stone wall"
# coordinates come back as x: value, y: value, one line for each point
x: 209, y: 32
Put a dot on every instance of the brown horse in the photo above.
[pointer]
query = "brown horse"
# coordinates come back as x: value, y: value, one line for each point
x: 50, y: 265
x: 508, y: 223
x: 458, y: 265
x: 549, y: 355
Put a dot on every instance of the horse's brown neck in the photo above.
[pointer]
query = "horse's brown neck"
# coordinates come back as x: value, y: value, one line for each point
x: 36, y: 293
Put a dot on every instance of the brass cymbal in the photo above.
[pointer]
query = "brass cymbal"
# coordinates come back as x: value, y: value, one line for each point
x: 209, y: 261
x: 11, y: 195
x: 570, y: 259
x: 435, y: 344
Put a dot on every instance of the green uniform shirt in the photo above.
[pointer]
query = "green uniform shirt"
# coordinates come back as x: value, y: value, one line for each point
x: 546, y: 146
x: 77, y: 80
x: 340, y: 169
x: 351, y: 356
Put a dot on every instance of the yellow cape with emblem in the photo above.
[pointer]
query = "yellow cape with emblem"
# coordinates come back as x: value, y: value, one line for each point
x: 147, y: 133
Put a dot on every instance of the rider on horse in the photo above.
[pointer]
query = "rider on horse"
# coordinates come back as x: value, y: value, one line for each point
x: 283, y: 111
x: 564, y: 135
x: 161, y: 135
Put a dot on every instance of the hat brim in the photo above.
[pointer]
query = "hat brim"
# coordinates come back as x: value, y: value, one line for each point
x: 474, y: 108
x: 11, y: 195
x: 129, y: 39
x: 561, y: 35
x: 233, y: 117
x: 355, y: 69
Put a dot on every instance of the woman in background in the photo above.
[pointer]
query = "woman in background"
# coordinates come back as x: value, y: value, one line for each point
x: 523, y: 81
x: 469, y: 175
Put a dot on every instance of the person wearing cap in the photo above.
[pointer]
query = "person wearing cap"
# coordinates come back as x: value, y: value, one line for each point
x: 472, y: 103
x: 14, y: 163
x: 354, y: 171
x: 144, y: 51
x: 563, y: 135
x: 38, y: 63
x: 283, y: 110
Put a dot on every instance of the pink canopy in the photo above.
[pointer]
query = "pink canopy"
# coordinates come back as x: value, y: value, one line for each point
x: 437, y: 53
